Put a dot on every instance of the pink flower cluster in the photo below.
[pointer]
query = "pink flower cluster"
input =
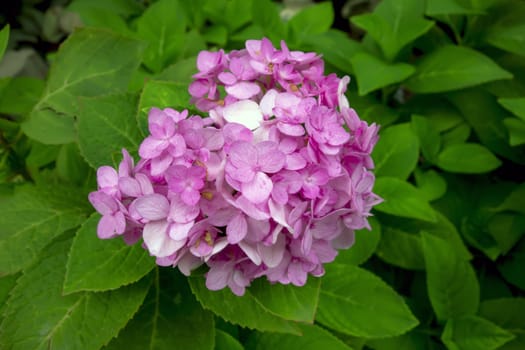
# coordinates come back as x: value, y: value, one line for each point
x: 272, y: 182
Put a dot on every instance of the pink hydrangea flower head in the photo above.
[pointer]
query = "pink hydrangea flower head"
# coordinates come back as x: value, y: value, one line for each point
x: 270, y: 181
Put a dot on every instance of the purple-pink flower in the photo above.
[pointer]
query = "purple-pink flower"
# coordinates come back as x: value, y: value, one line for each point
x: 271, y: 181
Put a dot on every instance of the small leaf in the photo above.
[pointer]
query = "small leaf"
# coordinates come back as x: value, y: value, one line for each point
x: 428, y: 137
x: 224, y: 341
x: 4, y: 39
x: 364, y: 247
x: 394, y: 24
x: 507, y: 30
x: 511, y: 268
x: 314, y: 19
x: 402, y: 199
x: 516, y: 129
x: 473, y: 333
x: 395, y: 158
x: 97, y: 265
x: 467, y: 158
x: 515, y: 105
x: 373, y: 74
x: 401, y: 249
x: 459, y: 134
x: 245, y: 311
x: 91, y: 62
x: 451, y: 281
x: 42, y: 318
x: 313, y: 338
x: 288, y: 301
x: 431, y: 184
x: 356, y: 302
x: 105, y: 126
x: 454, y: 67
x: 506, y: 229
x: 32, y: 217
x: 509, y: 314
x: 161, y: 94
x: 515, y: 201
x: 170, y: 318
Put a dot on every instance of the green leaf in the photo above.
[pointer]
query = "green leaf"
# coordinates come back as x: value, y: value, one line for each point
x: 515, y: 201
x: 394, y: 24
x: 71, y: 166
x: 402, y: 199
x: 125, y: 8
x: 429, y: 138
x: 431, y: 184
x: 509, y: 314
x: 454, y: 67
x: 335, y: 46
x: 447, y: 7
x: 401, y: 249
x: 451, y: 281
x: 105, y: 126
x: 507, y: 29
x: 515, y: 105
x: 20, y: 95
x: 395, y: 158
x: 4, y: 39
x: 7, y: 283
x: 459, y: 134
x: 356, y: 302
x: 42, y: 318
x: 97, y: 265
x: 314, y: 19
x: 161, y: 94
x: 485, y: 115
x: 91, y: 62
x: 234, y: 14
x: 162, y: 25
x: 224, y: 341
x: 467, y: 158
x: 287, y: 301
x: 245, y: 311
x: 170, y: 318
x: 473, y: 333
x: 32, y: 217
x: 506, y: 229
x: 216, y: 34
x: 408, y: 341
x: 373, y: 73
x: 512, y: 268
x: 265, y: 14
x: 516, y: 129
x: 364, y: 247
x: 313, y: 338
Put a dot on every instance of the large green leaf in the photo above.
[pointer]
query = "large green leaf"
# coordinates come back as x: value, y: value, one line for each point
x: 245, y: 311
x: 512, y: 268
x: 395, y: 158
x: 474, y: 333
x: 224, y: 341
x: 20, y: 95
x: 170, y: 318
x: 431, y: 184
x: 429, y: 139
x: 161, y: 94
x: 401, y: 249
x: 364, y: 247
x: 314, y: 19
x: 509, y: 314
x: 451, y: 281
x: 91, y: 62
x: 356, y: 302
x: 32, y: 217
x: 288, y: 301
x: 454, y: 67
x: 162, y: 25
x: 403, y: 199
x: 467, y: 158
x: 106, y: 124
x: 97, y: 265
x: 4, y: 39
x: 265, y: 14
x: 507, y: 30
x: 485, y: 115
x: 373, y: 73
x: 394, y: 24
x: 39, y: 317
x: 313, y: 338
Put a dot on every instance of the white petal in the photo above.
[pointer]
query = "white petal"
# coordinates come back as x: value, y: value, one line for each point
x: 244, y: 112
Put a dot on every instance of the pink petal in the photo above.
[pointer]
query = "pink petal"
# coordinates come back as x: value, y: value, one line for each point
x: 237, y: 229
x: 179, y: 232
x: 251, y: 209
x: 181, y: 212
x: 106, y: 227
x: 152, y: 147
x: 218, y: 275
x: 107, y: 177
x: 243, y: 90
x: 251, y: 252
x: 268, y: 102
x: 273, y: 255
x: 152, y: 206
x: 291, y: 129
x: 296, y: 274
x: 130, y: 187
x: 103, y: 203
x: 160, y: 164
x: 242, y: 154
x: 259, y: 189
x: 269, y: 158
x: 157, y: 240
